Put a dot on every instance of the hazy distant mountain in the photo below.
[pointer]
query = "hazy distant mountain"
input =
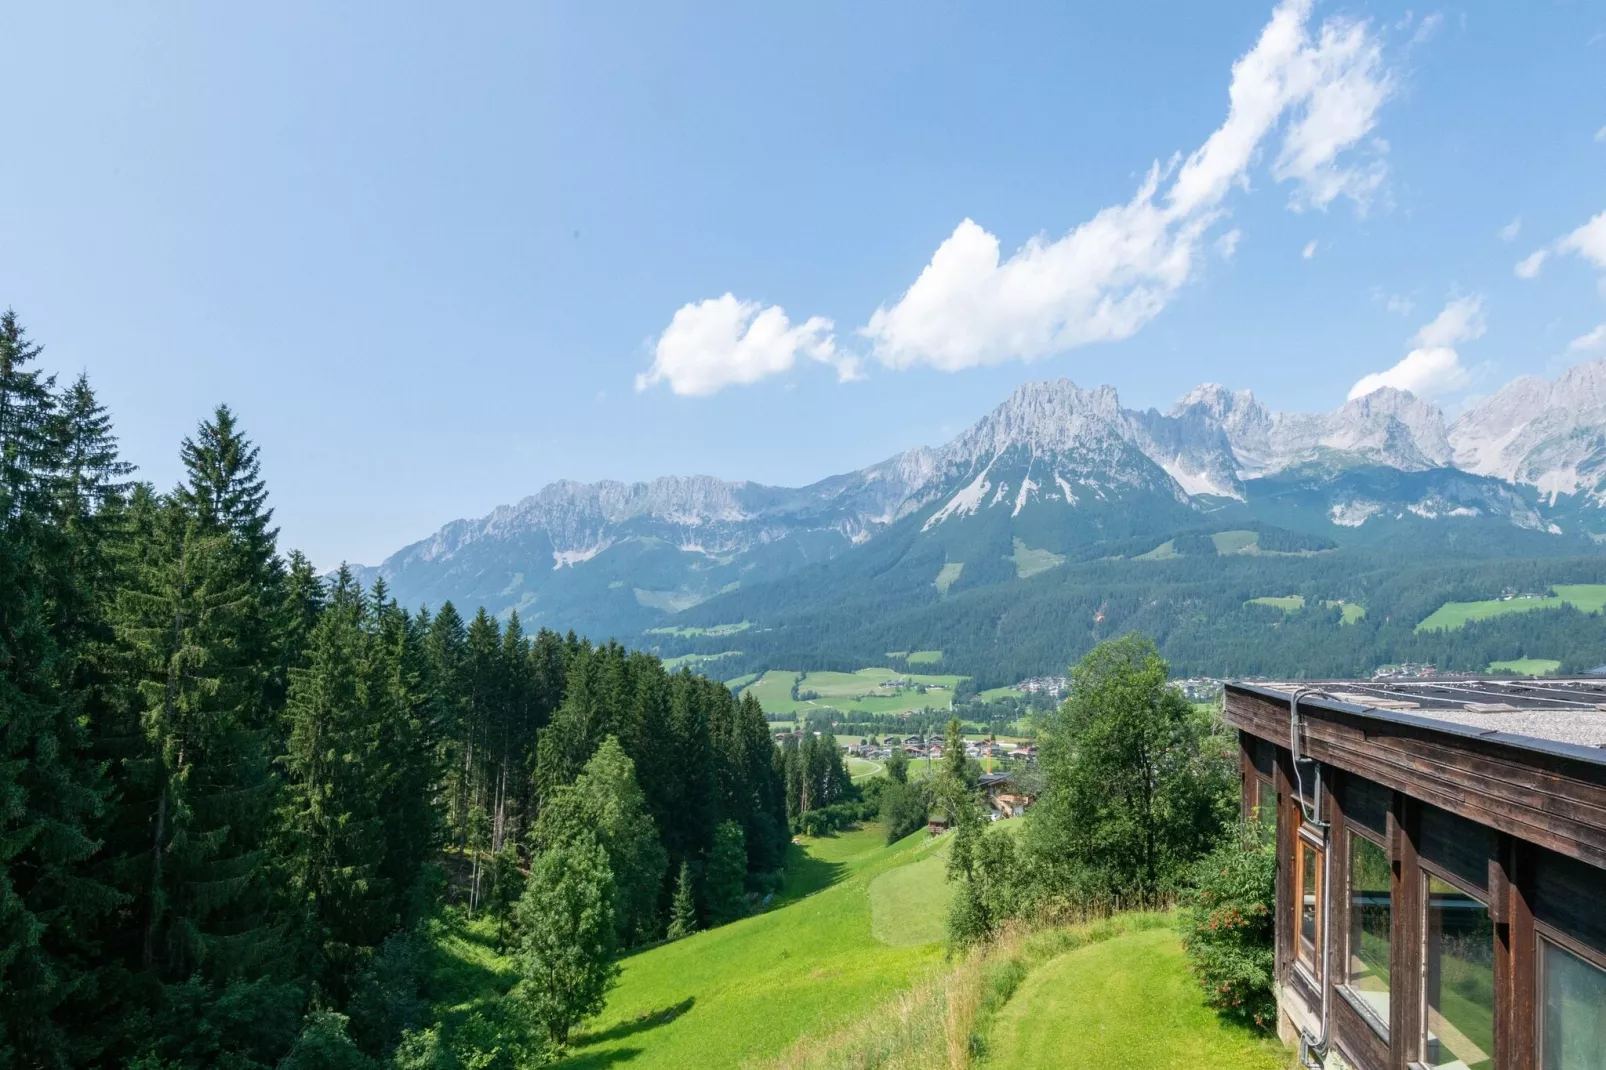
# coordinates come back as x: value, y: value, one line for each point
x: 1053, y: 467
x: 1551, y: 435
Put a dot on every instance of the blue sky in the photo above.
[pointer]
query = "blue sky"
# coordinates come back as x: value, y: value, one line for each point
x: 438, y: 258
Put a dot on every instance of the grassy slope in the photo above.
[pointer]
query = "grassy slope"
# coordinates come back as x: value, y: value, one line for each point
x: 856, y: 692
x: 1526, y: 666
x: 1288, y: 603
x: 1235, y: 542
x: 1585, y: 597
x: 1129, y: 1003
x: 747, y: 990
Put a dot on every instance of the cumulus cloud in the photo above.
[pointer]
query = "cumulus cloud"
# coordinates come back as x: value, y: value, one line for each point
x: 1588, y: 241
x: 1600, y: 135
x: 1510, y: 231
x: 1111, y: 275
x: 724, y: 341
x: 1588, y: 344
x: 1528, y: 267
x: 1433, y: 366
x: 1227, y: 244
x: 1309, y: 252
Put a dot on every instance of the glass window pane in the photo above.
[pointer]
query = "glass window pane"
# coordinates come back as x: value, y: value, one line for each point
x: 1310, y: 899
x: 1371, y: 910
x: 1459, y: 980
x: 1266, y: 809
x: 1573, y: 1029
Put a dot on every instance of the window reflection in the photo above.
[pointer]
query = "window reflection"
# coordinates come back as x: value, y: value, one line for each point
x: 1309, y: 899
x: 1573, y: 1026
x: 1371, y: 909
x: 1459, y: 980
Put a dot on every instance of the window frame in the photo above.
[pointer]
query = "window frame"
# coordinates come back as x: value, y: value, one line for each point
x: 1430, y: 870
x: 1365, y: 1010
x: 1544, y: 933
x: 1308, y: 839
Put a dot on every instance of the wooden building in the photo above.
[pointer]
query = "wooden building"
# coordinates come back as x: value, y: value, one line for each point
x: 1441, y: 878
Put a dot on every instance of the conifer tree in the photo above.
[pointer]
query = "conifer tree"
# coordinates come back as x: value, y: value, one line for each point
x: 726, y: 878
x: 332, y: 818
x: 683, y: 911
x: 49, y: 791
x: 202, y: 769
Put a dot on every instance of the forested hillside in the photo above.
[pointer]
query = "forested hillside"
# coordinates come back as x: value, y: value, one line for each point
x: 1007, y: 624
x: 233, y: 796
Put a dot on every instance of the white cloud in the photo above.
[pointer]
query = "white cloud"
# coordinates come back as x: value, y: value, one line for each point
x: 1428, y: 27
x: 1344, y: 83
x: 1433, y: 366
x: 1600, y: 135
x: 1109, y: 276
x: 1309, y: 252
x: 1227, y: 244
x: 1399, y: 304
x: 1510, y: 231
x: 1590, y: 343
x: 1528, y: 267
x: 1461, y: 321
x: 1588, y: 241
x: 722, y: 341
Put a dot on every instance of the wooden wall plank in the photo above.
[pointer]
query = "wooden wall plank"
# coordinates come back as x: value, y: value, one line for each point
x: 1545, y: 799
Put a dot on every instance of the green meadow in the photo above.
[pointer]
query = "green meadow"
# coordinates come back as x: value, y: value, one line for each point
x: 1584, y: 597
x: 1029, y: 562
x: 865, y: 691
x: 697, y: 661
x: 1526, y: 666
x: 692, y: 633
x: 1288, y: 603
x: 947, y: 575
x: 744, y: 991
x: 1235, y: 542
x: 1126, y: 1002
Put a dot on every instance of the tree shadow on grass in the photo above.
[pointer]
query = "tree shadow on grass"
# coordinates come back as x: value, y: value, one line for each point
x: 806, y: 874
x: 648, y: 1021
x: 596, y: 1060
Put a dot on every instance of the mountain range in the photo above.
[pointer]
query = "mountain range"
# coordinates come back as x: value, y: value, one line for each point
x: 1054, y: 472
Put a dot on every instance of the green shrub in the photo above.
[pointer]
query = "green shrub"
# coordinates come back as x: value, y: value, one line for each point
x: 1228, y: 927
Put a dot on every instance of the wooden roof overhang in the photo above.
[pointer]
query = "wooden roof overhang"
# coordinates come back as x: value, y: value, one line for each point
x: 1549, y: 793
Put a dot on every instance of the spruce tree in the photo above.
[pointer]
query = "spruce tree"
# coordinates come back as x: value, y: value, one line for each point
x: 725, y: 881
x: 332, y: 819
x: 683, y: 911
x: 201, y: 874
x: 49, y: 790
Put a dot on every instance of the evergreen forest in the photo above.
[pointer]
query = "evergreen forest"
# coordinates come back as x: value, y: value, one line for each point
x: 235, y: 796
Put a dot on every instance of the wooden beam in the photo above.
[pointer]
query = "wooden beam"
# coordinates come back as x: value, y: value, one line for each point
x: 1548, y: 799
x: 1405, y: 969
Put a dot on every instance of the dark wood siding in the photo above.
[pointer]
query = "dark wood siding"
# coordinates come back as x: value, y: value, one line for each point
x: 1553, y: 800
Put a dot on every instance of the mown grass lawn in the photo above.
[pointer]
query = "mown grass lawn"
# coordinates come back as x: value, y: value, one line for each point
x: 744, y: 991
x: 1125, y: 1004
